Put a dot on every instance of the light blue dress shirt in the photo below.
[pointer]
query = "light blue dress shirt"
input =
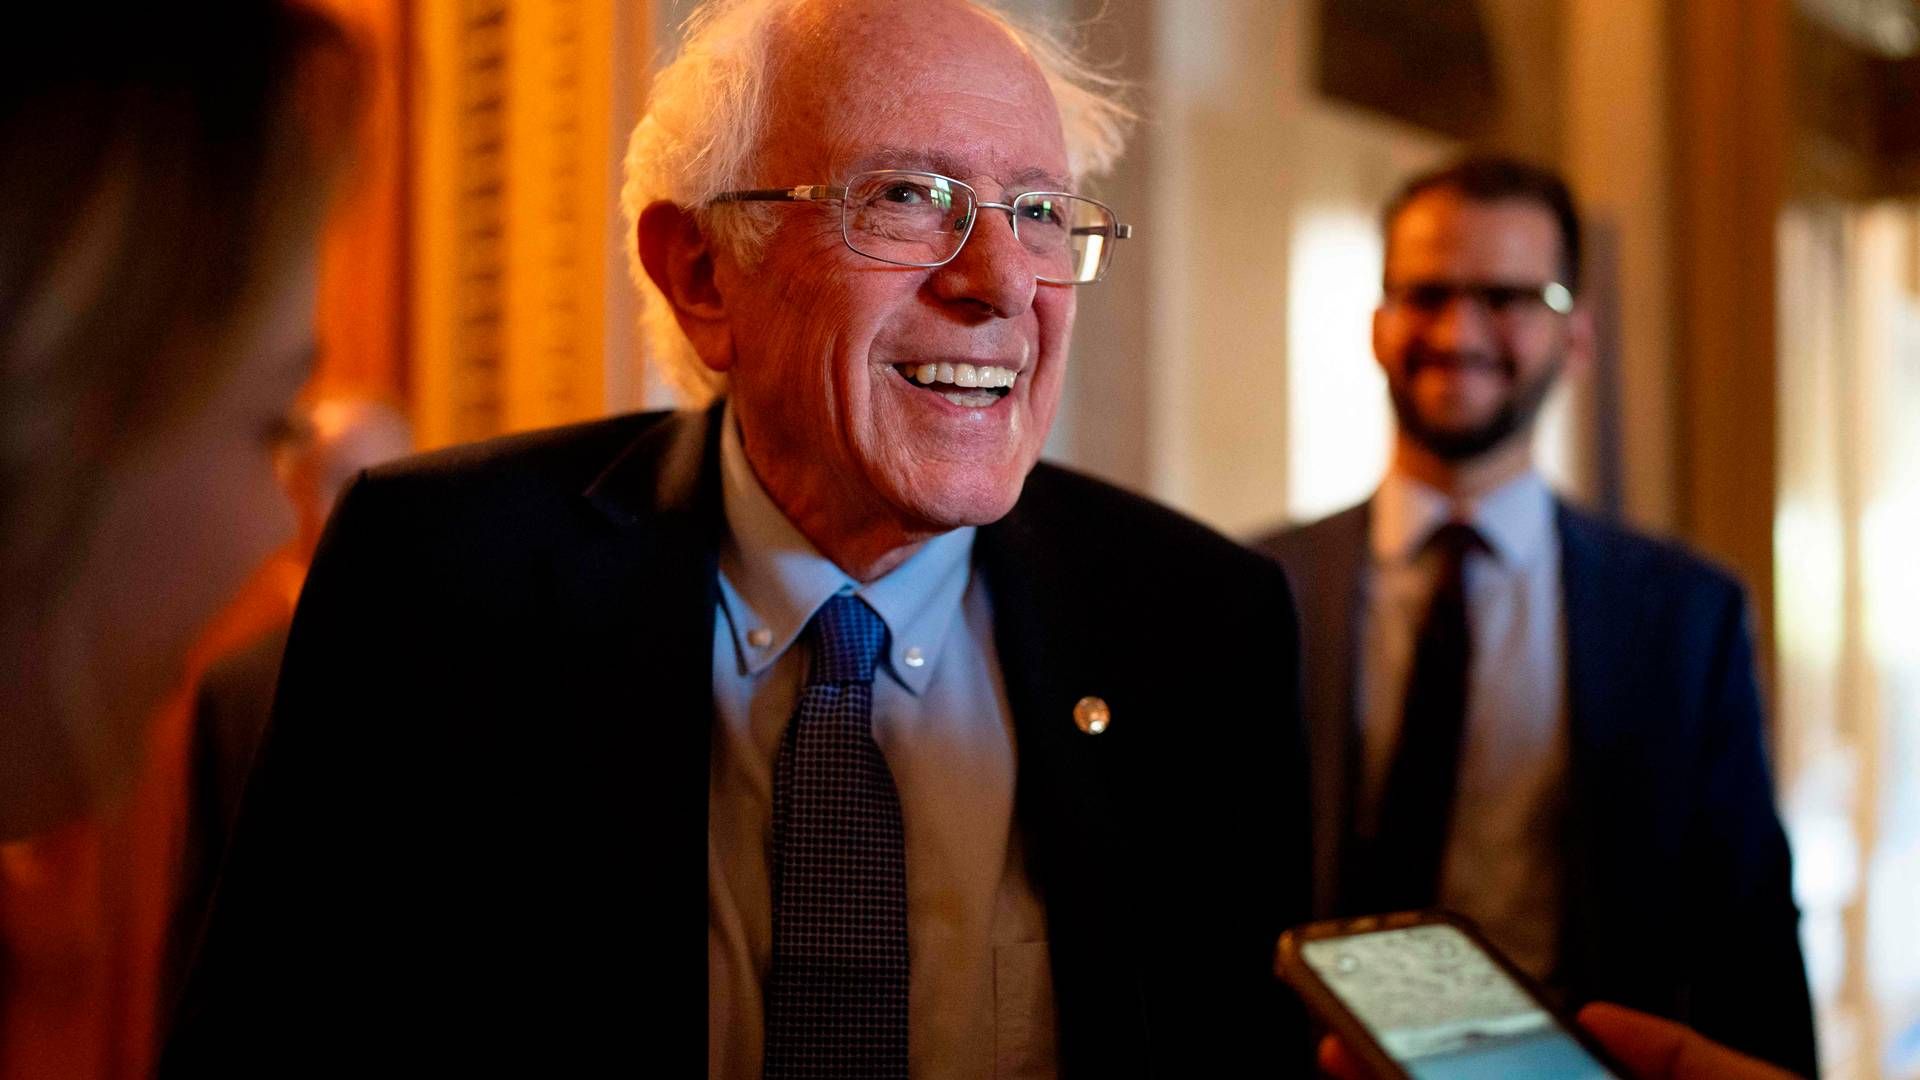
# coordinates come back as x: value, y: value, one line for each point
x: 1503, y: 863
x: 980, y: 999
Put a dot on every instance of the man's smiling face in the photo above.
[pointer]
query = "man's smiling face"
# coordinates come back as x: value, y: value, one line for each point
x: 825, y: 343
x: 1465, y: 381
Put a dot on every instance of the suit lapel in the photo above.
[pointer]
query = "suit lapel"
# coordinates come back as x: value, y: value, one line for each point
x: 1331, y: 604
x: 1062, y: 803
x: 649, y: 578
x: 644, y: 591
x: 1597, y: 642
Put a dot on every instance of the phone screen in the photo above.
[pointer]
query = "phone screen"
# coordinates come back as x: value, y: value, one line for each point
x: 1444, y: 1009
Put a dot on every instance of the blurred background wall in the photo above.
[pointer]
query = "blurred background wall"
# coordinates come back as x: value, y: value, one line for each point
x: 1751, y: 174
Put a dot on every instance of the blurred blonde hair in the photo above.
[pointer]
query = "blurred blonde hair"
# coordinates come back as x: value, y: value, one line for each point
x: 160, y: 168
x: 701, y: 132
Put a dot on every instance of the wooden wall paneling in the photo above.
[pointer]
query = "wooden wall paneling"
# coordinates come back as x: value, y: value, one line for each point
x: 1426, y: 62
x: 1730, y: 129
x: 626, y: 387
x: 460, y: 238
x: 1619, y: 161
x: 559, y: 127
x: 363, y: 320
x: 516, y: 137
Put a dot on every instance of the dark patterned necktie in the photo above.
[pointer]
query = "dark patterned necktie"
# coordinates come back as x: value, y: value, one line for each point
x: 837, y: 995
x: 1416, y: 808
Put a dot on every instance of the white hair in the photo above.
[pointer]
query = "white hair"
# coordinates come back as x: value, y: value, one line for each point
x: 701, y: 133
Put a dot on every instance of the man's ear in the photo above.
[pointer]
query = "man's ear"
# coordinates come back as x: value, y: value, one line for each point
x: 1582, y: 339
x: 679, y: 259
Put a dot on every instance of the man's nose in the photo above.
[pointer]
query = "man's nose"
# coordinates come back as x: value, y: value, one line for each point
x: 992, y: 270
x: 1462, y: 324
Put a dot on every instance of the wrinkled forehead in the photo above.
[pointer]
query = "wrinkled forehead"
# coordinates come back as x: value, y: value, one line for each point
x: 931, y: 84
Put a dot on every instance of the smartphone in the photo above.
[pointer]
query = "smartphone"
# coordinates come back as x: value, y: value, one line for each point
x: 1421, y: 995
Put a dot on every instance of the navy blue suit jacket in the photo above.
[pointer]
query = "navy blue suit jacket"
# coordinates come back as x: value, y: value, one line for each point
x: 475, y: 838
x: 1679, y: 890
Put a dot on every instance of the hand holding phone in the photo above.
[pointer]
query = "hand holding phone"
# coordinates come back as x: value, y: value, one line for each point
x: 1657, y: 1049
x: 1422, y: 996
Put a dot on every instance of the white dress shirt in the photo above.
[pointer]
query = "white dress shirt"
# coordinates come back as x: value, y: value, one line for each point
x: 1503, y: 867
x: 980, y: 992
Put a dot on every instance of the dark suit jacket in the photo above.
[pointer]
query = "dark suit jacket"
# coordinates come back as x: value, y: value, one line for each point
x: 230, y: 709
x: 476, y: 834
x: 1678, y: 878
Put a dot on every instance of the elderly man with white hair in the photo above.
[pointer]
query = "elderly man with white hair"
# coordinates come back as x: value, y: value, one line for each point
x: 987, y: 769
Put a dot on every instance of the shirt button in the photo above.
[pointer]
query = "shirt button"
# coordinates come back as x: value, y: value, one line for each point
x: 914, y: 657
x: 759, y: 637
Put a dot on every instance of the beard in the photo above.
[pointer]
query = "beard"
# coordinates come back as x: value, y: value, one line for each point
x: 1513, y: 417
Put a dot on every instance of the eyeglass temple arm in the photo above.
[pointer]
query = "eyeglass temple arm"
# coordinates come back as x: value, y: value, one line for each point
x: 801, y: 193
x: 1120, y: 232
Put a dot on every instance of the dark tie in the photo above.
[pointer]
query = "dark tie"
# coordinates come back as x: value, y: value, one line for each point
x: 837, y: 994
x: 1416, y: 808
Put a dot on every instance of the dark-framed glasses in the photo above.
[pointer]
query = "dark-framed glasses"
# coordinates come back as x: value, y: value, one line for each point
x: 912, y: 218
x: 1500, y: 300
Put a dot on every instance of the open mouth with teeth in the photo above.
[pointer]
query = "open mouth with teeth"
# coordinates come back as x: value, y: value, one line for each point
x: 967, y: 385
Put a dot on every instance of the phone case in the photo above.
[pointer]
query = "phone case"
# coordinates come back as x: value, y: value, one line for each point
x: 1327, y: 1007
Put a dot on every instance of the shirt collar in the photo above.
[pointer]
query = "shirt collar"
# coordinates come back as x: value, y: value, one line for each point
x: 1515, y: 519
x: 772, y: 579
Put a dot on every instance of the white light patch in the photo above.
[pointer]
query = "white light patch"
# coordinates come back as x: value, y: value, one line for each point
x: 1091, y: 256
x: 1338, y: 420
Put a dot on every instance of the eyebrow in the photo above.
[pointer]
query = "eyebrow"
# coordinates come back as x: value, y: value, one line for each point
x: 1032, y: 178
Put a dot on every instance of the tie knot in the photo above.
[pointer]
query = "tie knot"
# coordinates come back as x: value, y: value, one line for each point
x: 847, y: 639
x: 1454, y: 539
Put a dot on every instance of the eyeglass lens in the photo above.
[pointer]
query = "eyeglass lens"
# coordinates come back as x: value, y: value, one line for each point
x: 921, y: 219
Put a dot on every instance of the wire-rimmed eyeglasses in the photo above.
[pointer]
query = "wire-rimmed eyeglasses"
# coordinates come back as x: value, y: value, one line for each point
x: 1501, y: 301
x: 912, y: 218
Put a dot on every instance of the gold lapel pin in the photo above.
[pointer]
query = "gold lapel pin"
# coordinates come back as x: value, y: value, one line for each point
x: 1092, y: 714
